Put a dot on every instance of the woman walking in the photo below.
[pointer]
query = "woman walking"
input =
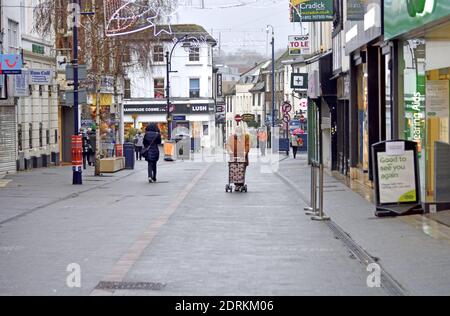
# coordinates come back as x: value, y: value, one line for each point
x: 152, y: 140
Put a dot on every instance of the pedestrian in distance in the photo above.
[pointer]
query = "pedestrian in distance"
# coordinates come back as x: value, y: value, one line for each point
x: 152, y: 140
x: 92, y: 147
x: 139, y: 145
x: 294, y: 145
x: 262, y: 137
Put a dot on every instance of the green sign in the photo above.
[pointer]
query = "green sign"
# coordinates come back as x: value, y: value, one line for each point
x: 403, y: 16
x: 312, y: 10
x: 38, y: 49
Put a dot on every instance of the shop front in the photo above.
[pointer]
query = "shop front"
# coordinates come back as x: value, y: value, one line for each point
x: 196, y: 119
x: 363, y: 39
x: 420, y: 85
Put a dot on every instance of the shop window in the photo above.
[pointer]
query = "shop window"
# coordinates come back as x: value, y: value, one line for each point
x: 49, y: 91
x: 41, y: 135
x: 194, y: 88
x: 19, y: 137
x: 194, y: 54
x: 158, y: 85
x: 158, y: 54
x: 47, y: 136
x: 30, y: 135
x: 56, y: 136
x: 127, y: 89
x: 41, y: 91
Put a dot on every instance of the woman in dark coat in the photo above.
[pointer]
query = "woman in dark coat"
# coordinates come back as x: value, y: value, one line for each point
x: 152, y: 140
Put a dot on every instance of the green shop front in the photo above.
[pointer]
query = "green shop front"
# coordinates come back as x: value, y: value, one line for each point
x: 418, y: 35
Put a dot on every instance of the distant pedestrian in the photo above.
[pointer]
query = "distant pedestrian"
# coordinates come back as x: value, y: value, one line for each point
x: 86, y: 145
x: 262, y: 138
x: 92, y: 147
x: 294, y: 145
x: 139, y: 145
x: 152, y: 140
x: 238, y: 146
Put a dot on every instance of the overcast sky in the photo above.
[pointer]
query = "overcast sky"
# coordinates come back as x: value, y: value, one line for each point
x: 243, y: 26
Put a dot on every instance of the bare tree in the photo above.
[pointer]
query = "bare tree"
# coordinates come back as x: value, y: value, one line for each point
x: 103, y: 55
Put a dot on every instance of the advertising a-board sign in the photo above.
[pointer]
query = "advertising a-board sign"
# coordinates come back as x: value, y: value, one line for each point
x: 396, y: 175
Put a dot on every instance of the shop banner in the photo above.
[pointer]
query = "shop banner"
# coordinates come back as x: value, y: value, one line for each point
x: 162, y: 109
x: 401, y: 17
x: 437, y: 98
x: 299, y: 45
x: 41, y: 76
x: 21, y: 85
x: 312, y: 10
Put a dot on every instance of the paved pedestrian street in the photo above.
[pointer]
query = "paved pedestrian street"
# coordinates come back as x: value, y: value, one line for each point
x: 185, y: 236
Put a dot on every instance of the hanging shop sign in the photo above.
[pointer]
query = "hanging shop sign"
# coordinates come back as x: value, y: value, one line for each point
x: 437, y: 98
x: 396, y: 175
x: 311, y: 10
x: 299, y: 81
x: 41, y: 76
x: 11, y: 64
x: 219, y: 85
x: 299, y: 45
x: 401, y: 17
x: 248, y: 118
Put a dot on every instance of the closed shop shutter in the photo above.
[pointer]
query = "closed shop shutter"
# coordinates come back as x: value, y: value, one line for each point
x: 7, y: 140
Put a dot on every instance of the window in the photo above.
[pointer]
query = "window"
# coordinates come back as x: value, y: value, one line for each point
x: 259, y: 99
x: 194, y: 88
x: 194, y: 54
x: 13, y: 37
x: 158, y: 54
x: 127, y: 89
x: 41, y: 135
x: 158, y: 88
x: 41, y: 91
x: 30, y: 135
x: 19, y: 137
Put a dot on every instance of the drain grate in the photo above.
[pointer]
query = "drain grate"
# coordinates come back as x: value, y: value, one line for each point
x: 137, y: 286
x: 388, y: 283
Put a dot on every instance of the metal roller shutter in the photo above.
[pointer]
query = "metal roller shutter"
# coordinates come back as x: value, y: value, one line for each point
x: 7, y: 140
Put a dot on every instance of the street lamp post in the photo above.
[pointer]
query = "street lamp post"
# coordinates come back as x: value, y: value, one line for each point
x: 77, y: 171
x: 273, y: 75
x: 169, y: 71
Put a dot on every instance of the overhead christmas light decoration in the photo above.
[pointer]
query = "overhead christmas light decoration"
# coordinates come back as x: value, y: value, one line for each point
x: 123, y: 17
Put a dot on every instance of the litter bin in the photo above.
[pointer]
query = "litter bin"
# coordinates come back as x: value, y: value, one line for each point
x: 128, y: 151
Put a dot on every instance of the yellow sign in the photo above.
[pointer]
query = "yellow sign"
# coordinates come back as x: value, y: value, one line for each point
x: 105, y: 99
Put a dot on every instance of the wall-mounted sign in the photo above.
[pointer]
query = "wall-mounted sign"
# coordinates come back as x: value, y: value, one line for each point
x: 299, y: 81
x: 38, y: 49
x: 41, y: 76
x: 404, y: 16
x: 82, y: 72
x: 299, y: 45
x: 11, y: 64
x: 162, y: 108
x: 311, y: 10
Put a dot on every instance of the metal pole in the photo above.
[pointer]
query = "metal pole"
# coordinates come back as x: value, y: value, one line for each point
x: 169, y: 123
x: 273, y: 78
x: 77, y: 173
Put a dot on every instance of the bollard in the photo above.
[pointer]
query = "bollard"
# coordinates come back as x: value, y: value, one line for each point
x: 77, y: 160
x: 321, y: 216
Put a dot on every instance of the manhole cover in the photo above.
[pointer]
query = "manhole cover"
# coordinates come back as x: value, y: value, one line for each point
x: 139, y: 286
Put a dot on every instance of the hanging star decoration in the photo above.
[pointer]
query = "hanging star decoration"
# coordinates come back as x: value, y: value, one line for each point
x: 124, y: 17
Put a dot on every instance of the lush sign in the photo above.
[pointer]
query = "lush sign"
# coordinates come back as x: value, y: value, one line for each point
x: 312, y: 10
x: 404, y: 16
